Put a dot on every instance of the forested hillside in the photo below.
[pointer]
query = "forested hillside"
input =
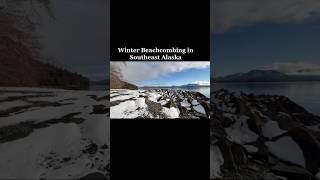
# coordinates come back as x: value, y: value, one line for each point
x: 21, y: 62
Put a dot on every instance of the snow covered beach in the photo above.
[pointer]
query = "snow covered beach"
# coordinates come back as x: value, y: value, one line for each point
x: 53, y: 134
x: 262, y: 137
x: 158, y: 104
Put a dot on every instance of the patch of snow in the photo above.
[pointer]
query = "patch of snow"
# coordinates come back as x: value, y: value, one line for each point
x: 63, y: 139
x: 240, y: 133
x: 141, y: 103
x: 271, y: 129
x: 11, y: 104
x: 120, y: 110
x: 81, y: 99
x: 122, y: 97
x: 216, y: 160
x: 129, y: 109
x: 163, y: 102
x: 199, y: 109
x: 39, y: 114
x: 154, y: 96
x: 288, y: 150
x: 171, y: 112
x: 185, y: 103
x: 194, y: 102
x: 251, y: 148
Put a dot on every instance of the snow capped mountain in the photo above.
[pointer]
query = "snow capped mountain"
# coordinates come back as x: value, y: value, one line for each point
x: 198, y: 83
x: 202, y: 83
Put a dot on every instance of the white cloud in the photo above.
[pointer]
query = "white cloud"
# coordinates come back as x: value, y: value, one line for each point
x: 202, y: 83
x: 227, y: 14
x: 295, y: 68
x: 136, y: 72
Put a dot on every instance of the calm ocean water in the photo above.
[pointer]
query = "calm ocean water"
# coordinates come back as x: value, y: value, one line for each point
x: 306, y: 94
x: 203, y: 90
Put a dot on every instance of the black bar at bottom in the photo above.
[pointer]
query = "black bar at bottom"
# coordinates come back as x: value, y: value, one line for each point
x: 160, y: 149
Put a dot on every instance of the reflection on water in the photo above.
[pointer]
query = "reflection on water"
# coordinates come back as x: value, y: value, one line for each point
x: 203, y: 90
x: 306, y: 94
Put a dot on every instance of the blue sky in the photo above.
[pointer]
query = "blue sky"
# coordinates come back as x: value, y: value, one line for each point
x: 265, y: 36
x: 180, y: 78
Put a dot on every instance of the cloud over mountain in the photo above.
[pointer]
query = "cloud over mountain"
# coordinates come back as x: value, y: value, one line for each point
x: 135, y: 72
x: 202, y: 83
x: 227, y: 14
x: 295, y: 68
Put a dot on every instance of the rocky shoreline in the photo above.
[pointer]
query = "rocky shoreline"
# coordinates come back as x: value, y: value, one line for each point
x: 252, y: 136
x: 262, y: 137
x: 158, y: 103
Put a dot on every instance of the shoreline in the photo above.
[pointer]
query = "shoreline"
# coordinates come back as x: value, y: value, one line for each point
x: 158, y: 103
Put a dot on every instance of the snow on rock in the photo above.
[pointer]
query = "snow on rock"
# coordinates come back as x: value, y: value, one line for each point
x: 122, y: 97
x: 216, y: 160
x: 121, y: 110
x: 129, y: 105
x: 25, y: 156
x: 271, y: 129
x: 158, y: 103
x: 171, y: 112
x: 76, y: 100
x: 240, y: 133
x: 199, y: 109
x: 12, y: 104
x: 251, y: 148
x: 194, y: 102
x: 152, y: 96
x: 185, y: 103
x: 280, y: 137
x: 287, y: 149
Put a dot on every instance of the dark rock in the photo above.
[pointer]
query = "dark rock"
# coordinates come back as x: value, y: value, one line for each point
x: 309, y: 146
x: 14, y: 132
x: 227, y: 108
x: 104, y: 146
x: 291, y: 172
x: 99, y: 109
x: 91, y: 149
x: 66, y: 159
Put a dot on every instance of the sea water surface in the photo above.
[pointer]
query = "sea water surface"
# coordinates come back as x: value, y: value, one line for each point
x: 306, y: 94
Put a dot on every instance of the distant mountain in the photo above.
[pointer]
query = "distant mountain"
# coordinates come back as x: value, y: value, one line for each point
x: 185, y: 85
x: 198, y: 83
x: 195, y: 85
x: 266, y: 76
